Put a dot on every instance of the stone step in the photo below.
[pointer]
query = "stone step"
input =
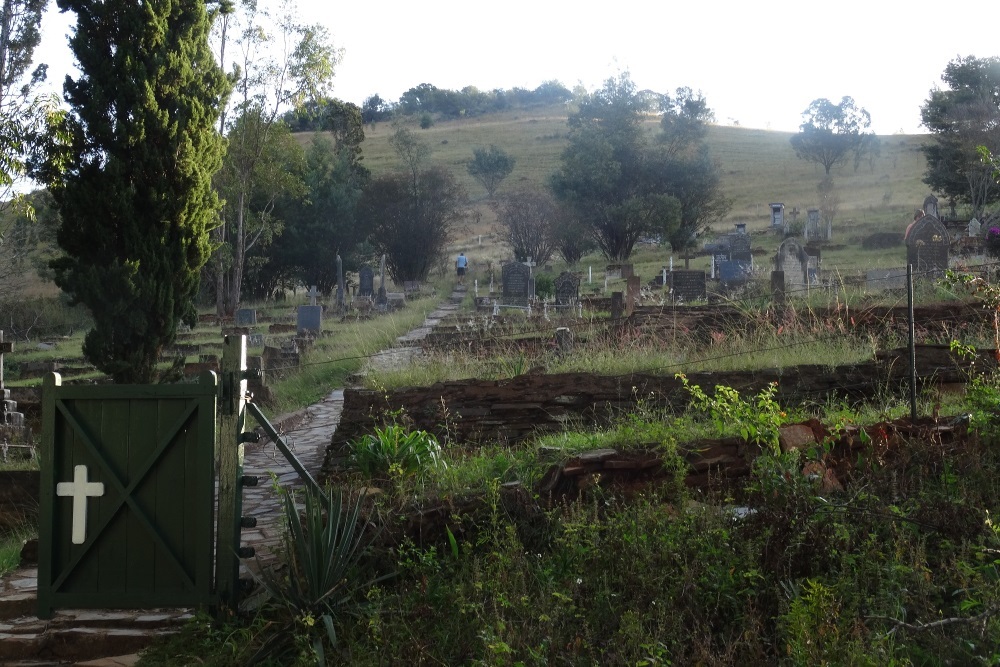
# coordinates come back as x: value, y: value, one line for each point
x: 74, y: 636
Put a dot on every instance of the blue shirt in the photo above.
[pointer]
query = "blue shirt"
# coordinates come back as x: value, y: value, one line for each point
x: 462, y: 262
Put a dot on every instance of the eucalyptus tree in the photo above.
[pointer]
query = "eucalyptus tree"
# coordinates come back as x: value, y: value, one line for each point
x: 23, y: 111
x: 277, y: 63
x: 830, y: 133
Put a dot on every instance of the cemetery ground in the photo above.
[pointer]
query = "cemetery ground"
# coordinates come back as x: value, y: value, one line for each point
x: 582, y: 505
x: 809, y: 521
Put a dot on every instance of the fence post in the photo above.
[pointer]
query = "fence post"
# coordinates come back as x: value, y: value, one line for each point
x: 232, y: 421
x: 913, y: 344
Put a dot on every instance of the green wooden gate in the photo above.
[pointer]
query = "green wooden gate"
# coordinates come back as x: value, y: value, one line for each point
x: 127, y: 486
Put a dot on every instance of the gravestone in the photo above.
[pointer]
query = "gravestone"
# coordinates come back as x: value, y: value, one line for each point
x: 931, y: 206
x: 974, y: 228
x: 515, y: 285
x: 366, y: 282
x: 617, y: 305
x: 246, y: 317
x: 735, y: 272
x: 567, y: 288
x: 255, y: 340
x: 927, y: 244
x: 793, y: 261
x: 313, y: 293
x: 613, y: 271
x: 687, y: 285
x: 812, y: 230
x: 633, y: 291
x: 310, y: 319
x: 877, y: 280
x: 739, y: 247
x: 777, y: 216
x: 411, y: 287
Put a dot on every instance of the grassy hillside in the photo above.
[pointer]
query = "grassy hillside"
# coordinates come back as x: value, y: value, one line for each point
x: 759, y: 167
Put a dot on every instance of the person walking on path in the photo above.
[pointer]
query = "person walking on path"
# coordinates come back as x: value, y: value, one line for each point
x: 461, y: 264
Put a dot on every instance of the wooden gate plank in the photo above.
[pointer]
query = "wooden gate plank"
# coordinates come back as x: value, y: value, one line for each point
x: 149, y: 540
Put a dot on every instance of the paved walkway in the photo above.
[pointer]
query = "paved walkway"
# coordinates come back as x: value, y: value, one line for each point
x: 22, y: 634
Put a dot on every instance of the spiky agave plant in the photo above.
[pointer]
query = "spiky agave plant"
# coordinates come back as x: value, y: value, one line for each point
x: 324, y: 545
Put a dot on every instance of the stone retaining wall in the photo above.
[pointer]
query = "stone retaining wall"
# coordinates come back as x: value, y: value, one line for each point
x: 18, y: 498
x: 509, y: 411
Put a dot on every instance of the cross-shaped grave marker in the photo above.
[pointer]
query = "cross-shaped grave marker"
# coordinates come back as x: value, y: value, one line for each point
x: 80, y: 489
x: 530, y: 264
x: 312, y: 294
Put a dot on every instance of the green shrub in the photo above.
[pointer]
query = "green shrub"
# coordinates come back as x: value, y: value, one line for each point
x: 544, y: 285
x: 394, y: 449
x: 323, y: 549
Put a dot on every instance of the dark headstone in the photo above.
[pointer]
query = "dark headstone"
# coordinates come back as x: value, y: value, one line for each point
x: 617, y: 305
x: 411, y: 287
x: 734, y: 271
x: 927, y: 245
x: 255, y: 340
x: 567, y: 287
x: 246, y: 317
x: 516, y: 287
x: 366, y: 282
x: 739, y: 247
x: 687, y: 285
x: 310, y: 318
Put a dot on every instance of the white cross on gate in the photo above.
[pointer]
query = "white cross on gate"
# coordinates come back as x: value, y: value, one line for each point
x: 80, y: 489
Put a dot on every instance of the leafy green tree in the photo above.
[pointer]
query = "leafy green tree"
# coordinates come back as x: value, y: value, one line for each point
x: 831, y: 132
x: 412, y: 215
x: 685, y: 121
x: 961, y: 118
x: 267, y: 81
x: 132, y: 180
x: 269, y: 188
x: 621, y: 186
x: 490, y: 166
x: 374, y: 109
x: 23, y: 111
x: 325, y: 221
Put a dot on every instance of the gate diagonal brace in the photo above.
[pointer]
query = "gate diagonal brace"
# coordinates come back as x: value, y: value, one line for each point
x: 283, y: 448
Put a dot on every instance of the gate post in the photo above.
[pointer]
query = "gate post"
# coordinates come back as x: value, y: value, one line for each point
x: 232, y: 421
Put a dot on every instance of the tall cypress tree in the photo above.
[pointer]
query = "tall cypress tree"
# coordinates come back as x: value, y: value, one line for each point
x: 132, y: 178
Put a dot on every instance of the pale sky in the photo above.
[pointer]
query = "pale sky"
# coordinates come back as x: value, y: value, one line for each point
x: 757, y: 63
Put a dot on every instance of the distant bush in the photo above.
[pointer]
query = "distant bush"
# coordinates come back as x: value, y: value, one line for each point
x: 42, y: 317
x: 426, y: 121
x: 544, y: 285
